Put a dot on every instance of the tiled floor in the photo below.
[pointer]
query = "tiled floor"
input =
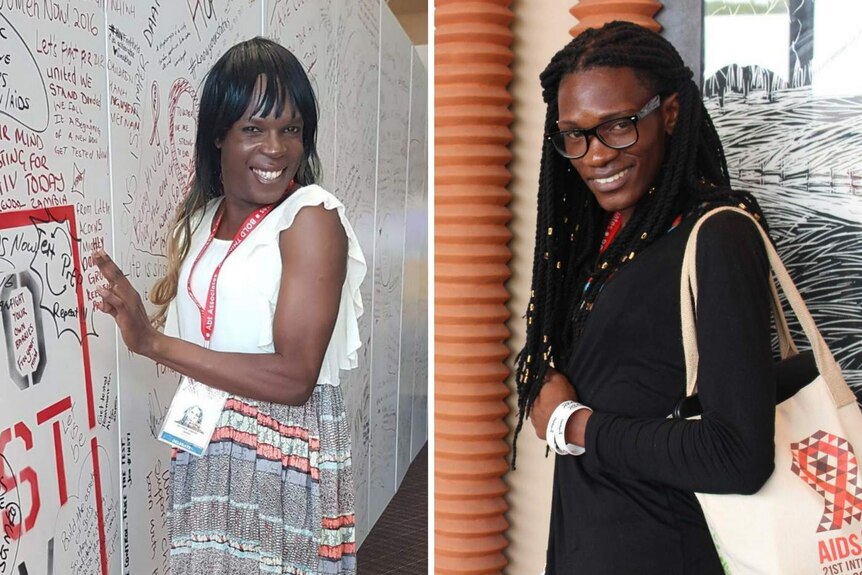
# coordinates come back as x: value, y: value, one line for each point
x: 398, y: 543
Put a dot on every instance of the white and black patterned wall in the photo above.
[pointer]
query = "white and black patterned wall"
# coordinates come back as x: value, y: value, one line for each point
x: 781, y: 83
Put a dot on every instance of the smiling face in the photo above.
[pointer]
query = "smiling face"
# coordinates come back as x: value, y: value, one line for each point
x: 617, y: 178
x: 260, y: 155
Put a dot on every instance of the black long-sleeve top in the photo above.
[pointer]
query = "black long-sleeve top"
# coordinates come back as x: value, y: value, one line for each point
x: 627, y: 504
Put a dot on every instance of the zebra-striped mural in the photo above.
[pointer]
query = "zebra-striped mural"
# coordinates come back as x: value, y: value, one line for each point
x: 782, y: 85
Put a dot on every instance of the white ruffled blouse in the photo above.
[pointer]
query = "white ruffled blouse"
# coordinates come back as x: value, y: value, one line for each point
x: 249, y: 282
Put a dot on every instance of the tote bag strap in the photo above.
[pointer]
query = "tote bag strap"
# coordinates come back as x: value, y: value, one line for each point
x: 827, y: 366
x: 786, y: 346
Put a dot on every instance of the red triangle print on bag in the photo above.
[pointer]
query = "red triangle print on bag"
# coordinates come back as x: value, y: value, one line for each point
x: 827, y: 463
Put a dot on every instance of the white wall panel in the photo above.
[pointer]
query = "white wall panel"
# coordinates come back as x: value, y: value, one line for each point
x: 417, y: 248
x: 388, y: 258
x: 415, y: 264
x: 358, y: 33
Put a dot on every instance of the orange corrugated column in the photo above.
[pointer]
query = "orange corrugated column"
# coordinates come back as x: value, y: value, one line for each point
x: 471, y: 118
x: 595, y: 13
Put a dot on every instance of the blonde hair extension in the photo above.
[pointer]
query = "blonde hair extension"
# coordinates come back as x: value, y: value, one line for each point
x: 165, y: 289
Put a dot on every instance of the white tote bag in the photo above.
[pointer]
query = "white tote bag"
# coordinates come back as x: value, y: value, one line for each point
x: 807, y: 518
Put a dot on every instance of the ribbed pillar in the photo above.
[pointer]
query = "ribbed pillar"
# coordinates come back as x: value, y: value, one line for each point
x: 596, y: 13
x: 471, y: 118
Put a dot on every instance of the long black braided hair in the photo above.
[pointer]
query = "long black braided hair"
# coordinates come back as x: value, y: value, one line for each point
x: 570, y: 223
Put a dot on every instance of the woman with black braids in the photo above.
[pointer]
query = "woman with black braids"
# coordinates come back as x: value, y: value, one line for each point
x: 631, y: 159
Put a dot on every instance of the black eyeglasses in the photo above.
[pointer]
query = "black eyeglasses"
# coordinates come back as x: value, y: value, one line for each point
x: 617, y: 133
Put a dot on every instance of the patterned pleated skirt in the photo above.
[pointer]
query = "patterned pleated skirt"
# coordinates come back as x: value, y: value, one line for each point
x: 272, y: 494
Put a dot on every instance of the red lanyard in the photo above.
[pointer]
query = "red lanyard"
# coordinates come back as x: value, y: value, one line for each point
x: 614, y: 226
x: 208, y: 313
x: 611, y: 231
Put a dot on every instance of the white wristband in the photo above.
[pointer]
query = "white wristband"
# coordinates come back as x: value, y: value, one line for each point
x: 556, y: 432
x: 558, y: 418
x: 550, y: 435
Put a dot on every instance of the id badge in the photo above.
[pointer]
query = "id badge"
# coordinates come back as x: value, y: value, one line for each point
x: 192, y: 416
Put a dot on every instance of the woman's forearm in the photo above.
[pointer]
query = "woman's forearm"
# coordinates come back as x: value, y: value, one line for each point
x: 266, y: 376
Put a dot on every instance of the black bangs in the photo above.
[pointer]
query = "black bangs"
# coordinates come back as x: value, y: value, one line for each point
x: 261, y: 62
x: 256, y: 66
x: 274, y: 96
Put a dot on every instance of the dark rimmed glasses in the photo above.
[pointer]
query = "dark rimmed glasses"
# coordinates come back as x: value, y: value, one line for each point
x: 617, y: 133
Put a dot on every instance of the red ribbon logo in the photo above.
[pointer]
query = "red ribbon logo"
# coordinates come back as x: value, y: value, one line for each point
x: 827, y: 463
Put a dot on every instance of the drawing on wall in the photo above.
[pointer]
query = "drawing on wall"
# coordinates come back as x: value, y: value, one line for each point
x: 22, y: 327
x: 59, y: 491
x: 782, y: 86
x: 24, y: 102
x: 56, y: 489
